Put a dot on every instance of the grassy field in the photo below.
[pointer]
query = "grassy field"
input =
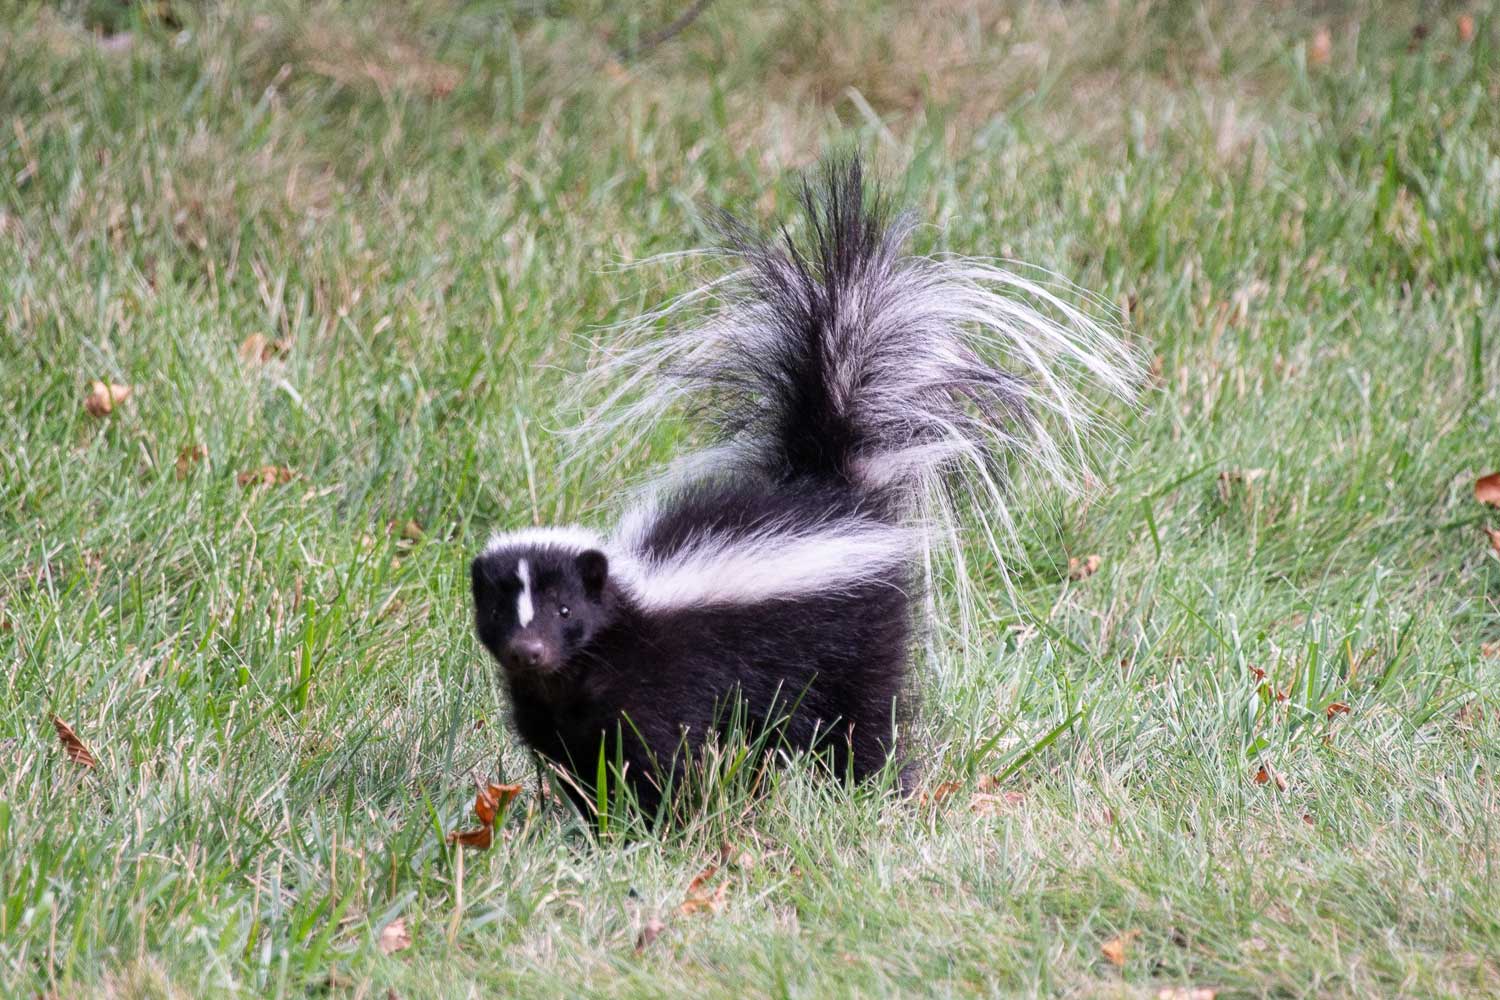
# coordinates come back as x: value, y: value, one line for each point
x: 1254, y: 753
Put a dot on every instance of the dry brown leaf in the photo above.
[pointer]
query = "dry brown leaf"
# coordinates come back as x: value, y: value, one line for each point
x: 1320, y: 49
x: 1186, y: 993
x: 1082, y: 569
x: 994, y: 803
x: 104, y: 397
x: 1116, y: 948
x: 1264, y: 775
x: 700, y: 898
x: 266, y: 475
x: 1337, y: 708
x: 77, y: 751
x: 650, y: 932
x: 490, y: 802
x: 480, y: 838
x: 1494, y: 539
x: 1466, y: 28
x: 257, y: 350
x: 1228, y: 478
x: 189, y: 456
x: 1486, y: 489
x: 941, y: 792
x: 394, y: 937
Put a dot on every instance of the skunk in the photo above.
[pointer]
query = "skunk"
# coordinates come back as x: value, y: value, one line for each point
x: 780, y: 578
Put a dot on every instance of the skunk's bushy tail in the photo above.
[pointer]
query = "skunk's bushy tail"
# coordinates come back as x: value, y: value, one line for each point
x: 846, y: 358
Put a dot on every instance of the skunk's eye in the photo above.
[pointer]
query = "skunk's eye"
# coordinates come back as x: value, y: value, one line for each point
x: 562, y: 611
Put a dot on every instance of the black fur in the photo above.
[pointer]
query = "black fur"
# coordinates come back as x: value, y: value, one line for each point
x: 648, y: 687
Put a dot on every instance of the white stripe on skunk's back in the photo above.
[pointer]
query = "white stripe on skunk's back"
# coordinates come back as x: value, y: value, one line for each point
x: 525, y: 611
x: 771, y: 565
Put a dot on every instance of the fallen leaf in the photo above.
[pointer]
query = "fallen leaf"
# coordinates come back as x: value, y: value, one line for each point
x: 104, y: 396
x: 1466, y: 28
x: 992, y: 804
x: 1320, y: 49
x: 489, y: 802
x: 189, y: 456
x: 1264, y: 775
x: 492, y: 800
x: 257, y: 350
x: 394, y: 937
x: 1260, y: 674
x: 1490, y: 650
x: 412, y: 531
x: 941, y: 792
x: 77, y: 751
x: 1082, y: 569
x: 700, y: 898
x: 1486, y: 488
x: 1186, y: 993
x: 1337, y: 708
x: 479, y: 838
x: 1494, y: 538
x: 266, y: 475
x: 1115, y: 948
x: 1229, y: 477
x: 650, y: 932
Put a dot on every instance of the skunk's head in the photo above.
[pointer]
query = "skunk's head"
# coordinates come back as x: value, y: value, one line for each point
x: 536, y: 606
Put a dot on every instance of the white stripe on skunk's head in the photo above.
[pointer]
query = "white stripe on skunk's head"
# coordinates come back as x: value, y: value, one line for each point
x: 567, y: 537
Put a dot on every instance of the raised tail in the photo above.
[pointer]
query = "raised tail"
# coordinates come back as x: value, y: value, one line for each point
x: 845, y: 358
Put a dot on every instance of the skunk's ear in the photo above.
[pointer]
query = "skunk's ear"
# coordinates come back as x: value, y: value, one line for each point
x: 593, y: 567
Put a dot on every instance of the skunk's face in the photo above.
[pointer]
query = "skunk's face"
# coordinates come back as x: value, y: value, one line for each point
x: 535, y: 608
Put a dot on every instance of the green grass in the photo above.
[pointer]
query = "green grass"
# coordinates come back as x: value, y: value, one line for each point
x: 430, y: 204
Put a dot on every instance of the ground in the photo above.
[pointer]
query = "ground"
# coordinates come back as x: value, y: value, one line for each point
x: 355, y: 251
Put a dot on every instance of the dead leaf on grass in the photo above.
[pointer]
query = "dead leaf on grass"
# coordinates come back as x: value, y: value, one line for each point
x: 266, y: 475
x: 77, y: 751
x: 1117, y: 948
x: 941, y: 792
x: 189, y: 456
x: 1486, y: 489
x: 490, y: 802
x: 1490, y: 650
x: 1320, y: 49
x: 993, y: 803
x: 394, y: 937
x: 700, y: 898
x: 1082, y: 569
x: 257, y: 350
x: 103, y: 397
x: 1264, y: 775
x: 1230, y: 478
x: 650, y: 932
x: 1337, y: 708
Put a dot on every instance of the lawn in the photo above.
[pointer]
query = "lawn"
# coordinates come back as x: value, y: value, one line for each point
x: 348, y: 258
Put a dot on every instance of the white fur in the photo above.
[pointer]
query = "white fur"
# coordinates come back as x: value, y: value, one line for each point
x: 773, y: 563
x: 912, y: 330
x: 568, y: 537
x: 525, y: 611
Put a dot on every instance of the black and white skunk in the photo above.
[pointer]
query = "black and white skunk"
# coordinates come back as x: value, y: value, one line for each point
x: 782, y: 572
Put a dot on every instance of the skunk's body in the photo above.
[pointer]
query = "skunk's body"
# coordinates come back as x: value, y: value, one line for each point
x: 780, y: 583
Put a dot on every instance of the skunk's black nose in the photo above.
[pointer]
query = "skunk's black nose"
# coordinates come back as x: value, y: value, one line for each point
x: 527, y: 652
